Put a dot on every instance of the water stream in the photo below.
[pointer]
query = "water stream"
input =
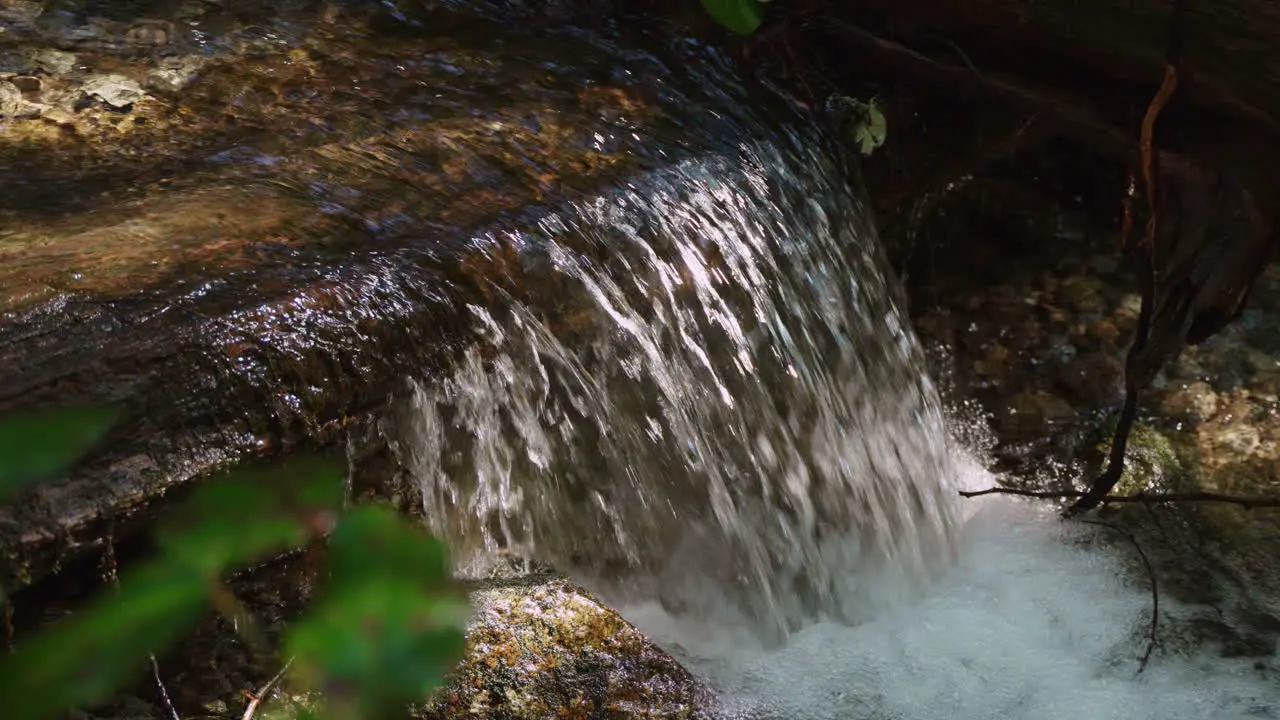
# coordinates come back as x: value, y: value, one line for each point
x: 735, y: 405
x: 712, y: 410
x: 675, y: 364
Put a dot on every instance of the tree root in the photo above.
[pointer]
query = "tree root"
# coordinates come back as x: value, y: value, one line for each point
x: 1142, y: 497
x: 1153, y: 633
x: 1135, y: 373
x: 1244, y: 501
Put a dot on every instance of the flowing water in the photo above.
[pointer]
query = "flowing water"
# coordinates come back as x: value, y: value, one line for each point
x: 737, y: 407
x: 713, y: 411
x: 683, y: 373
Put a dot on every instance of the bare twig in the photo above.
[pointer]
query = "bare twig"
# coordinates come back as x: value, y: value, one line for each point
x: 257, y: 698
x: 1155, y: 593
x: 7, y: 603
x: 164, y: 692
x: 1245, y: 501
x: 111, y: 568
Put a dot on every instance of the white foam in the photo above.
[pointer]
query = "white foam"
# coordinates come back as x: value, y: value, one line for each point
x: 1030, y: 624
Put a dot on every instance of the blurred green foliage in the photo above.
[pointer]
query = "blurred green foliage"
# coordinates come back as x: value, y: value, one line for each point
x: 38, y: 445
x: 385, y: 629
x: 740, y: 16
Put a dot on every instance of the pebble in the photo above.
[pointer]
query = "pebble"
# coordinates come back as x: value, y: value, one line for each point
x: 1192, y: 402
x: 41, y: 61
x: 26, y: 83
x: 1032, y: 414
x: 21, y: 12
x: 174, y: 74
x: 13, y: 105
x: 116, y: 91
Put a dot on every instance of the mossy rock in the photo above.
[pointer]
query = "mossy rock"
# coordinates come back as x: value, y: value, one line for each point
x: 1152, y: 462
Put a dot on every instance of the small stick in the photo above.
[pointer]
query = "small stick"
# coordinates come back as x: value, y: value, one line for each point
x: 256, y: 699
x: 111, y: 571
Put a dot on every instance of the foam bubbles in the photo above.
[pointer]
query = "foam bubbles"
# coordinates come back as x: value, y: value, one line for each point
x: 1031, y: 623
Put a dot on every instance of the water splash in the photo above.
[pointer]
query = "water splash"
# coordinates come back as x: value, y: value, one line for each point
x: 708, y: 390
x: 1039, y: 620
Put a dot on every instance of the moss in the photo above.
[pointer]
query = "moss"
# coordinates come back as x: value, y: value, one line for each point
x: 1152, y: 461
x: 553, y: 650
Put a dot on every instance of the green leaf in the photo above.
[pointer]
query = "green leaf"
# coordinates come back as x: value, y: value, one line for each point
x: 372, y: 648
x: 740, y: 16
x: 871, y: 130
x: 85, y: 659
x: 372, y: 543
x: 389, y: 626
x: 249, y: 515
x: 38, y: 445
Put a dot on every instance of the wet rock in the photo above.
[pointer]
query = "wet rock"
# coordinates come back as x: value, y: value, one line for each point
x: 1151, y: 461
x: 1095, y: 379
x: 995, y: 364
x: 1082, y: 293
x: 26, y: 83
x: 550, y: 650
x: 20, y: 12
x: 1239, y: 433
x: 10, y: 99
x: 174, y: 74
x: 1032, y: 414
x: 147, y: 34
x: 13, y: 104
x: 537, y: 647
x: 117, y: 91
x: 33, y: 61
x: 1192, y: 402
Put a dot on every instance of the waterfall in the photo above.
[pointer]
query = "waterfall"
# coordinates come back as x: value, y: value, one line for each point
x: 704, y: 391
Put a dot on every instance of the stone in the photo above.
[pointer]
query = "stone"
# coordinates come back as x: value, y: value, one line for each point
x: 1095, y: 379
x: 117, y: 91
x: 1151, y: 462
x: 174, y: 74
x: 1193, y: 402
x: 10, y: 99
x: 145, y: 34
x: 13, y: 105
x: 53, y: 62
x: 26, y: 83
x: 1082, y: 293
x: 20, y: 12
x: 553, y: 650
x: 32, y: 61
x: 1032, y: 414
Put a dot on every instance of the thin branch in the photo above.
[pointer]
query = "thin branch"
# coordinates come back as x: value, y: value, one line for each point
x: 257, y: 698
x: 1155, y: 593
x: 164, y: 693
x: 1245, y: 501
x: 6, y: 616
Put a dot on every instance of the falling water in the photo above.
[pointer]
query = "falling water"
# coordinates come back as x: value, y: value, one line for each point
x: 714, y: 392
x: 696, y: 391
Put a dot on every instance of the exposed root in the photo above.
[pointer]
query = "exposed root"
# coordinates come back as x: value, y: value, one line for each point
x: 1153, y: 634
x: 1244, y: 501
x: 1150, y: 175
